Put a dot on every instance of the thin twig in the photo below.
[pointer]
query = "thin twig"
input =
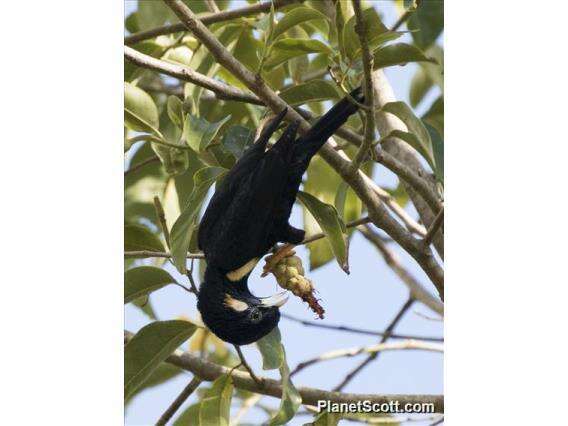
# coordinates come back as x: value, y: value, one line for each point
x: 404, y: 17
x: 417, y: 290
x: 143, y: 254
x: 181, y: 398
x: 410, y: 177
x: 141, y: 164
x: 319, y: 324
x: 209, y: 371
x: 437, y: 422
x: 372, y: 356
x: 206, y: 19
x: 157, y: 140
x: 212, y: 6
x: 162, y: 219
x: 247, y: 366
x: 222, y: 90
x: 191, y: 280
x: 381, y: 347
x: 438, y: 221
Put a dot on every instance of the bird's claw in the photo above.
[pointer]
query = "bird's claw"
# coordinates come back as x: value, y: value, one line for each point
x: 271, y: 261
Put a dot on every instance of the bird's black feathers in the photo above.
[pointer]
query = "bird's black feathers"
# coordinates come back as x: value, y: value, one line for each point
x: 249, y: 213
x: 250, y: 209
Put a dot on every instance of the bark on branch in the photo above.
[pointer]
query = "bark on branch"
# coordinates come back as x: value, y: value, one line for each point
x: 209, y: 371
x: 207, y: 19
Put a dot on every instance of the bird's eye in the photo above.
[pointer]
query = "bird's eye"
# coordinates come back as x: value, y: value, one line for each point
x: 255, y: 315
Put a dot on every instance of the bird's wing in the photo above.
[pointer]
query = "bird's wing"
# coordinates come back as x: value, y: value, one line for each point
x: 238, y: 222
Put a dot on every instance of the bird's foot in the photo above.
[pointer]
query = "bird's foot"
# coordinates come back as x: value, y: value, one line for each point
x: 282, y: 252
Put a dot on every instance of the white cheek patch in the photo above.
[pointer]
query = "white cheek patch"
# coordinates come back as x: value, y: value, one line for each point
x: 235, y: 304
x: 239, y: 273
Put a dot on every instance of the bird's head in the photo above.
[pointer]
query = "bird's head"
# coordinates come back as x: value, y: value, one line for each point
x: 232, y: 313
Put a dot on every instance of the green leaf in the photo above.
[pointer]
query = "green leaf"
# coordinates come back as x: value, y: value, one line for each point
x: 175, y: 111
x: 438, y: 147
x: 189, y: 417
x: 415, y: 143
x: 145, y: 305
x: 143, y: 280
x: 375, y: 31
x: 435, y: 115
x: 186, y: 224
x: 149, y: 347
x: 138, y: 237
x: 398, y: 54
x: 216, y: 404
x: 131, y: 23
x: 213, y: 409
x: 236, y: 139
x: 427, y: 21
x: 288, y: 48
x: 324, y: 183
x: 163, y: 373
x: 199, y: 133
x: 312, y: 91
x: 328, y: 219
x: 140, y: 112
x: 340, y: 25
x: 325, y: 418
x: 294, y: 17
x: 152, y: 14
x: 290, y: 401
x: 419, y: 86
x: 271, y: 349
x: 179, y: 55
x: 420, y: 138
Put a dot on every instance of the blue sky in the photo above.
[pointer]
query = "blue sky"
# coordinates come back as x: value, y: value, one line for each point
x: 369, y: 298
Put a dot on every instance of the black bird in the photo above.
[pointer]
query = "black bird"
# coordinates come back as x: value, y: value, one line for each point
x: 247, y: 215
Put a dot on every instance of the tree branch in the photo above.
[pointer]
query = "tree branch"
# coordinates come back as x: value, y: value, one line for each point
x: 143, y: 254
x: 181, y: 398
x: 222, y: 90
x: 138, y: 166
x: 416, y: 289
x: 380, y: 347
x: 400, y: 150
x: 372, y: 356
x: 247, y: 366
x: 438, y: 221
x: 319, y: 324
x: 338, y: 160
x: 209, y: 371
x: 206, y: 19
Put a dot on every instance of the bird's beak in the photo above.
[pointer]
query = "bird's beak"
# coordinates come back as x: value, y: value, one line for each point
x: 275, y: 300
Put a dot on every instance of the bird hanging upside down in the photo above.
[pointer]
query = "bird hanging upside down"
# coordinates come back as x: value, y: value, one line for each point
x: 247, y: 216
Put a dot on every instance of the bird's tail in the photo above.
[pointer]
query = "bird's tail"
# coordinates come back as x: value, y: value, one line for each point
x: 313, y: 140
